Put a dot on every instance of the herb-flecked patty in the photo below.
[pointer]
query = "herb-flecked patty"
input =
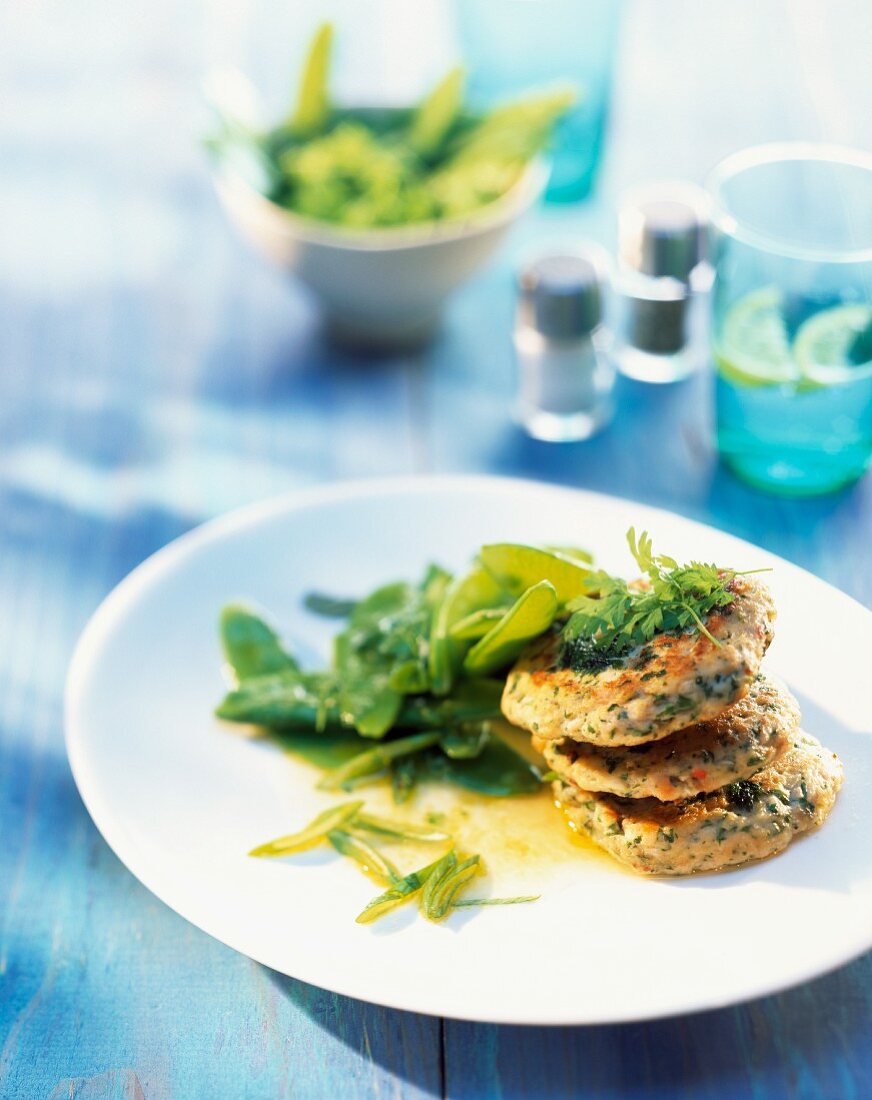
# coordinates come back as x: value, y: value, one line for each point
x: 673, y: 681
x: 745, y: 821
x: 745, y: 738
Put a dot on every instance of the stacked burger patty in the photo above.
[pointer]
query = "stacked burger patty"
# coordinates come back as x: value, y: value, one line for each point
x: 680, y: 756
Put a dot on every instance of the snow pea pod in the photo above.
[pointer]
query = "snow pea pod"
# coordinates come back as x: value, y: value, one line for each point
x: 287, y: 698
x: 312, y: 107
x: 465, y: 743
x: 497, y: 770
x: 477, y: 590
x: 477, y: 624
x: 377, y: 759
x: 310, y: 700
x: 518, y: 567
x: 328, y: 607
x: 436, y: 115
x: 471, y: 701
x: 528, y: 617
x: 251, y: 646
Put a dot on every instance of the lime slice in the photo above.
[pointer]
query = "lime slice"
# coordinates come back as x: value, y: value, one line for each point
x: 468, y: 594
x: 529, y: 616
x: 753, y: 349
x: 824, y: 344
x: 519, y: 567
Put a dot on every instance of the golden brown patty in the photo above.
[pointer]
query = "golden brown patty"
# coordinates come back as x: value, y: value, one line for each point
x: 745, y: 738
x: 748, y: 820
x: 671, y: 682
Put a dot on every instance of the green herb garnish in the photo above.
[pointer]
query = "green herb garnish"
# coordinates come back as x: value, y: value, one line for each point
x: 619, y: 615
x: 744, y: 793
x: 437, y: 886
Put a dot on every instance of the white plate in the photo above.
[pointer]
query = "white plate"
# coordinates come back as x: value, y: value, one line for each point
x: 181, y: 799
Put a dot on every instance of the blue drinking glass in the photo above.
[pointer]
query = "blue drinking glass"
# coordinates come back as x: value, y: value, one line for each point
x: 510, y: 46
x: 792, y: 316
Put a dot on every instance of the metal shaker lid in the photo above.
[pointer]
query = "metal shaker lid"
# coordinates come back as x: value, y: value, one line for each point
x: 561, y: 296
x: 661, y: 230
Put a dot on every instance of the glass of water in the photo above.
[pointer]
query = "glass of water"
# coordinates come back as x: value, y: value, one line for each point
x: 792, y: 315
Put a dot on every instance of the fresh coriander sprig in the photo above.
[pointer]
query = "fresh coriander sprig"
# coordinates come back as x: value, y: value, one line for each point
x: 619, y: 616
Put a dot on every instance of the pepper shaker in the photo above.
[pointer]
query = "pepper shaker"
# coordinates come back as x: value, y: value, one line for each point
x: 565, y: 372
x: 663, y: 285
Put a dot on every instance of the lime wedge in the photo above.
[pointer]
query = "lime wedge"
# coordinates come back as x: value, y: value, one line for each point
x: 528, y: 617
x: 753, y: 349
x: 824, y: 344
x: 517, y: 567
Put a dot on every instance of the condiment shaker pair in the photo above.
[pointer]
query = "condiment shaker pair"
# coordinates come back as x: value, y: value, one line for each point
x: 571, y: 334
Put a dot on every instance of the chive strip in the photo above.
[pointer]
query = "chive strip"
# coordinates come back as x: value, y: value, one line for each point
x: 377, y: 759
x: 400, y: 830
x: 521, y: 899
x: 440, y: 872
x: 369, y: 858
x: 398, y: 894
x: 442, y: 896
x: 313, y: 834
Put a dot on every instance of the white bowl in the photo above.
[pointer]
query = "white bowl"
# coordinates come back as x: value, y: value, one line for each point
x: 379, y: 288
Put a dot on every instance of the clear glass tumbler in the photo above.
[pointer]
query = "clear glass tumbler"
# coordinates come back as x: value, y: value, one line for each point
x: 792, y: 315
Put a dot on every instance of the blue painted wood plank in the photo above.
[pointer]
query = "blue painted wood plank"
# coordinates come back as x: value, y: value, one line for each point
x: 785, y: 1046
x: 155, y: 373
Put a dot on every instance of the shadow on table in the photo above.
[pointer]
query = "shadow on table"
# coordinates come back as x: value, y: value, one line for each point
x: 811, y: 1042
x: 403, y: 1044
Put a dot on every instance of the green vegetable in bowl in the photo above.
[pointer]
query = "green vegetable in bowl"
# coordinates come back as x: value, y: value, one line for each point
x: 366, y: 168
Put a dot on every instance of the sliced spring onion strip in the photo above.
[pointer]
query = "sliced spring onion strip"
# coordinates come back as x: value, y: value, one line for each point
x: 369, y: 858
x: 398, y: 894
x: 401, y: 830
x: 442, y: 896
x: 314, y: 832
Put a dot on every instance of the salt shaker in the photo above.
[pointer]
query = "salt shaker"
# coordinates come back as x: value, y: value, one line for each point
x: 565, y: 372
x: 663, y: 283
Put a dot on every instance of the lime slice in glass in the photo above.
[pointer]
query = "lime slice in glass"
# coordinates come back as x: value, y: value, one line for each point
x: 753, y: 349
x: 825, y: 345
x: 517, y: 567
x: 528, y: 617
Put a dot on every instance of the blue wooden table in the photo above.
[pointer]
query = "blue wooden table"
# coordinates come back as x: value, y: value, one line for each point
x: 153, y: 373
